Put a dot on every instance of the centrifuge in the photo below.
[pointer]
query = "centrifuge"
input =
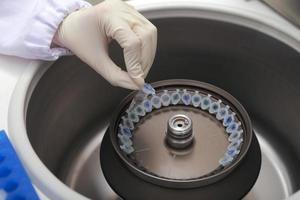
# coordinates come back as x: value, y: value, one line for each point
x: 223, y: 121
x: 183, y: 140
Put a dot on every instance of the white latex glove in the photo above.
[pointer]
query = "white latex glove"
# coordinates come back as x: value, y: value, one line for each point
x: 87, y: 33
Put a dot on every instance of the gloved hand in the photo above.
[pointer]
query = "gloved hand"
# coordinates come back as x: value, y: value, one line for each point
x: 87, y: 33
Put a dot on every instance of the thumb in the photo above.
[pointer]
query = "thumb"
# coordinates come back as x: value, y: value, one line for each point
x: 116, y: 76
x: 131, y: 44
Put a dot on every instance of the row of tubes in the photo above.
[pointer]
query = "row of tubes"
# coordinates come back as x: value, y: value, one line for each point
x: 188, y: 98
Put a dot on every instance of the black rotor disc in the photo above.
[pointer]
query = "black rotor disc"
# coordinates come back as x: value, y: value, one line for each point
x: 128, y: 186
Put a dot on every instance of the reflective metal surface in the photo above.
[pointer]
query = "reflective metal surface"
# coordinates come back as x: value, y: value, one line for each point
x: 69, y: 109
x: 203, y: 163
x: 179, y: 134
x: 209, y: 147
x: 288, y: 8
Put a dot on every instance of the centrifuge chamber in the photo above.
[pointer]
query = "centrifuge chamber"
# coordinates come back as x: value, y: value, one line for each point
x: 66, y: 108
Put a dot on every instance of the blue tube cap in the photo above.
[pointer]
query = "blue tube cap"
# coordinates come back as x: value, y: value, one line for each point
x: 148, y: 89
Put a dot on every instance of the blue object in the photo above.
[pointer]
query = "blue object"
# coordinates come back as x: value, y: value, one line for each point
x: 196, y: 99
x: 228, y: 119
x: 215, y: 107
x: 125, y: 130
x: 127, y: 149
x: 205, y: 103
x: 165, y: 98
x: 139, y: 110
x: 14, y: 181
x: 156, y: 102
x: 186, y: 98
x: 148, y: 89
x: 147, y: 105
x: 125, y: 140
x: 141, y: 95
x: 175, y: 97
x: 226, y: 160
x: 133, y: 117
x: 128, y: 123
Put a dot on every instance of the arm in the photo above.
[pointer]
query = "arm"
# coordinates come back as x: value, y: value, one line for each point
x: 27, y: 28
x: 75, y: 26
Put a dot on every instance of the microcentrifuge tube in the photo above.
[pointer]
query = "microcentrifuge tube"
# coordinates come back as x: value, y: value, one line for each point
x: 148, y: 89
x: 226, y: 160
x: 233, y: 127
x: 156, y: 102
x: 147, y: 105
x: 214, y: 107
x: 125, y: 130
x: 175, y: 97
x: 186, y: 97
x: 236, y: 135
x: 196, y: 99
x: 205, y: 103
x: 222, y: 113
x: 140, y: 111
x: 127, y: 149
x: 165, y: 98
x: 228, y: 119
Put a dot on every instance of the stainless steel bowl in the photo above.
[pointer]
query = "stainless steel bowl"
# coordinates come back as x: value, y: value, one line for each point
x: 69, y: 106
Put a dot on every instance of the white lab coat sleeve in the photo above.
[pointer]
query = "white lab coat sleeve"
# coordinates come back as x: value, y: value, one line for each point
x: 28, y: 27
